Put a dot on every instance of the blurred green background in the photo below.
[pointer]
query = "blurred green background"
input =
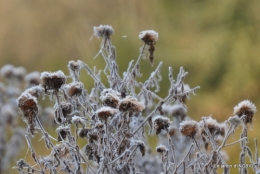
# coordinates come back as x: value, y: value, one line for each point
x: 217, y: 42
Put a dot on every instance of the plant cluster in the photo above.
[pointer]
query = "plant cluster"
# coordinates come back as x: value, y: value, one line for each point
x: 112, y: 120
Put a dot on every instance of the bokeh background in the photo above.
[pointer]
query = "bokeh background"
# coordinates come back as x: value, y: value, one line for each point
x: 217, y: 42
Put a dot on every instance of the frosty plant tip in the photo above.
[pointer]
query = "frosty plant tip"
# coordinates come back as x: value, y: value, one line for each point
x: 112, y: 119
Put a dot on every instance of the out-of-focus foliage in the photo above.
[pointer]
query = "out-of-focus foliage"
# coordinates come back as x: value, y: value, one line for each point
x: 215, y: 41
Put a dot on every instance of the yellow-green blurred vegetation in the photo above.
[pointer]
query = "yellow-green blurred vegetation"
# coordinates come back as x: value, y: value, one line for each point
x: 217, y: 42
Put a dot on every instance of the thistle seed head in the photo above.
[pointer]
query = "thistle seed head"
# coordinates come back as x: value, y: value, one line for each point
x: 188, y: 128
x: 32, y: 79
x: 105, y: 112
x: 110, y: 98
x: 247, y: 108
x: 131, y: 105
x: 7, y: 71
x: 52, y: 81
x: 149, y: 37
x: 160, y: 123
x: 74, y: 89
x: 161, y: 149
x: 104, y: 31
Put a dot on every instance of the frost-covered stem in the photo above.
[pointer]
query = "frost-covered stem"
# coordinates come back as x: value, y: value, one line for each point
x: 129, y: 157
x: 176, y: 169
x: 133, y: 69
x: 87, y: 163
x: 197, y: 160
x: 230, y: 144
x: 93, y: 76
x: 194, y: 140
x: 34, y: 154
x: 151, y: 77
x: 243, y: 147
x: 229, y: 132
x: 76, y: 134
x: 256, y: 155
x: 172, y: 147
x: 46, y: 135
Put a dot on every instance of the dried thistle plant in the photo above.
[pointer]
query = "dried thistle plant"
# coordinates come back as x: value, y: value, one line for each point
x: 112, y: 120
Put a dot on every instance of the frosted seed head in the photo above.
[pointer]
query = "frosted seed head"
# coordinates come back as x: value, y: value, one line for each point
x: 74, y: 66
x: 7, y: 71
x: 161, y: 149
x: 131, y: 105
x: 189, y: 128
x: 212, y: 125
x: 149, y: 36
x: 28, y: 105
x: 78, y: 120
x: 74, y: 89
x: 33, y: 79
x: 83, y: 132
x: 105, y: 112
x: 141, y: 146
x: 110, y: 98
x: 247, y: 108
x: 104, y: 31
x: 52, y: 81
x: 160, y: 123
x: 19, y: 73
x: 63, y: 132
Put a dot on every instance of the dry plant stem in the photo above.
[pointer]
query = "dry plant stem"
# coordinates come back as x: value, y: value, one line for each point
x: 129, y: 157
x: 172, y: 148
x: 230, y: 144
x: 176, y: 169
x: 93, y: 76
x: 34, y: 153
x: 133, y: 69
x: 159, y: 105
x: 197, y: 160
x: 256, y: 155
x: 243, y: 147
x: 47, y: 137
x: 151, y: 77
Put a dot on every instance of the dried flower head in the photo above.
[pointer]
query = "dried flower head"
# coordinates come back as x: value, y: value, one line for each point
x: 141, y: 146
x: 19, y: 73
x: 104, y: 31
x: 74, y: 89
x: 28, y: 105
x: 172, y: 130
x: 7, y: 71
x: 78, y: 120
x: 149, y: 36
x: 52, y: 81
x: 188, y: 128
x: 160, y: 123
x: 35, y: 91
x: 66, y: 109
x: 33, y: 79
x: 161, y: 149
x: 83, y: 132
x: 246, y: 108
x: 110, y: 98
x: 235, y: 120
x: 177, y: 110
x: 212, y: 125
x: 63, y: 132
x: 74, y: 66
x: 105, y: 112
x: 131, y: 105
x: 8, y: 114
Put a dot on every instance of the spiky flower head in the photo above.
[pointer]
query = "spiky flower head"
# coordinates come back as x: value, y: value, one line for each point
x: 160, y: 123
x: 149, y: 37
x: 74, y: 89
x: 52, y: 81
x: 110, y: 98
x: 188, y: 128
x: 246, y: 108
x: 161, y: 149
x: 104, y: 31
x: 105, y: 112
x: 131, y: 105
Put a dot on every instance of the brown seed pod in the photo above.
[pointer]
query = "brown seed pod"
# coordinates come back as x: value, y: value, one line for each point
x: 189, y: 128
x: 131, y: 105
x: 52, y: 81
x: 246, y: 108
